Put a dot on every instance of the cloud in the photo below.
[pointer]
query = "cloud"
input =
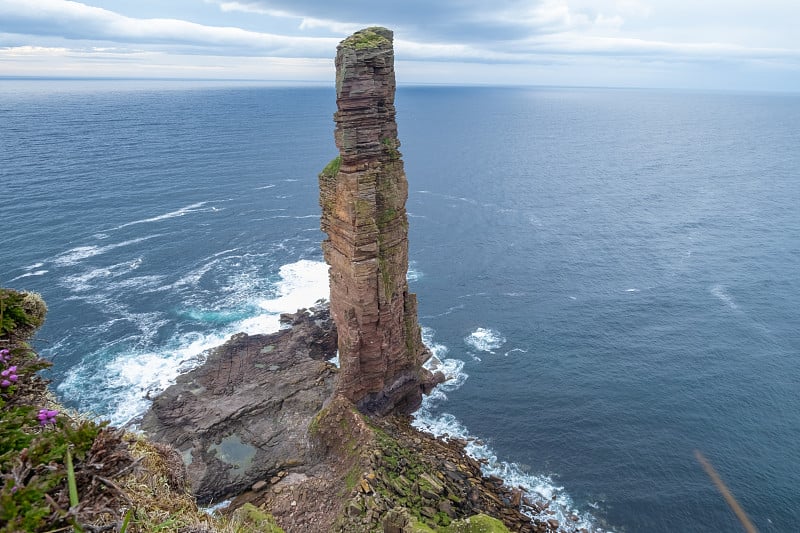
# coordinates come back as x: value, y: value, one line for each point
x: 442, y: 20
x: 513, y: 36
x: 515, y: 31
x: 76, y: 21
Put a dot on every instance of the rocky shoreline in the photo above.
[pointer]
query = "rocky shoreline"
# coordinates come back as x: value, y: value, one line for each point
x: 269, y: 422
x: 243, y: 415
x: 260, y: 422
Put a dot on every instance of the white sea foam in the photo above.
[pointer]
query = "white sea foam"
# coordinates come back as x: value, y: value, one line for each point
x: 485, y: 340
x: 445, y: 425
x: 75, y: 255
x: 265, y: 187
x: 118, y: 389
x: 301, y: 285
x: 30, y: 274
x: 85, y: 281
x: 172, y: 214
x: 217, y: 507
x: 450, y: 310
x: 453, y: 369
x: 33, y: 266
x: 720, y: 292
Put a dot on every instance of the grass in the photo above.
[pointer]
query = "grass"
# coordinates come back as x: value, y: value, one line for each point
x: 366, y: 39
x: 332, y: 168
x: 71, y: 473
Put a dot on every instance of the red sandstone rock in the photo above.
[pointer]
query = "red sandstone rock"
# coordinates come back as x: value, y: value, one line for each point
x: 363, y: 194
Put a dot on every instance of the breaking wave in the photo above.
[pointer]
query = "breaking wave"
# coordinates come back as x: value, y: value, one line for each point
x: 117, y: 381
x: 485, y: 340
x: 172, y: 214
x: 537, y: 488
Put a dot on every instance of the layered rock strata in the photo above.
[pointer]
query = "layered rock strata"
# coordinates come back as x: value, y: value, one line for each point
x: 243, y: 416
x: 363, y: 194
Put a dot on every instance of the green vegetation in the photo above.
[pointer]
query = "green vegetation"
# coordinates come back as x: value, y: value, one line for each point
x: 391, y: 148
x: 250, y: 518
x: 386, y: 278
x: 363, y: 209
x: 480, y: 523
x: 332, y: 168
x: 386, y: 216
x: 62, y: 472
x: 36, y: 441
x: 351, y: 479
x: 20, y: 313
x: 367, y: 38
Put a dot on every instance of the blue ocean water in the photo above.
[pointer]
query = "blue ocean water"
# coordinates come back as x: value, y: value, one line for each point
x: 609, y: 276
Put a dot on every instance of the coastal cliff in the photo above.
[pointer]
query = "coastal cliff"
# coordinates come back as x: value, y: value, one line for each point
x: 268, y: 422
x: 363, y: 194
x: 295, y: 443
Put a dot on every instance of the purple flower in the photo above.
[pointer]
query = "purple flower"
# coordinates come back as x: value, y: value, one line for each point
x: 9, y: 376
x: 4, y: 355
x: 46, y: 417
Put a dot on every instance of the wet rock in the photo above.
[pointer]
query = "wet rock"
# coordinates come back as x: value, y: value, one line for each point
x: 516, y: 498
x: 235, y: 420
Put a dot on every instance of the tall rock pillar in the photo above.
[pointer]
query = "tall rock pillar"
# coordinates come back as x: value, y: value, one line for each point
x: 363, y: 194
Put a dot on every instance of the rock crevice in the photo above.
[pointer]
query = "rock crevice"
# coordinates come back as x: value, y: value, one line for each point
x: 363, y: 194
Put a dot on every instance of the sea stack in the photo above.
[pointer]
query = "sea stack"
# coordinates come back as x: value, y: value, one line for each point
x: 363, y: 194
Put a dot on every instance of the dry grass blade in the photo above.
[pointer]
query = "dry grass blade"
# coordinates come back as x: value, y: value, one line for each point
x: 732, y: 503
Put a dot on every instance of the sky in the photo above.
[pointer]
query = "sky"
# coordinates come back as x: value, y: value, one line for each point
x: 693, y: 44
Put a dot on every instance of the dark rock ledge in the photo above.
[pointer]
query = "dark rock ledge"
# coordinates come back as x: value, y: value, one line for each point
x: 244, y: 414
x: 260, y: 422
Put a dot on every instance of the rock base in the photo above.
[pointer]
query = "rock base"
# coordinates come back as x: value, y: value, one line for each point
x: 244, y: 415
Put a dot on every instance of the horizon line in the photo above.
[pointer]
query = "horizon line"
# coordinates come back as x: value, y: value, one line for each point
x: 321, y: 83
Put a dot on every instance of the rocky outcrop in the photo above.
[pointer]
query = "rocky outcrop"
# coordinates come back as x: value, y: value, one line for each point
x: 363, y: 194
x: 243, y: 416
x: 381, y: 474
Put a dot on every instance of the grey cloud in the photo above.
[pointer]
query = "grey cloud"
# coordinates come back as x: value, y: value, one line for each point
x: 437, y: 20
x: 72, y: 20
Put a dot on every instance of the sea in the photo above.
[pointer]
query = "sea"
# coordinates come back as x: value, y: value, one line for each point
x: 610, y: 277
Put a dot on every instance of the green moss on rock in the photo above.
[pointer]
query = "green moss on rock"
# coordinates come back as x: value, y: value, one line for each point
x: 21, y: 313
x: 332, y: 168
x: 368, y: 38
x: 479, y: 523
x: 252, y: 518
